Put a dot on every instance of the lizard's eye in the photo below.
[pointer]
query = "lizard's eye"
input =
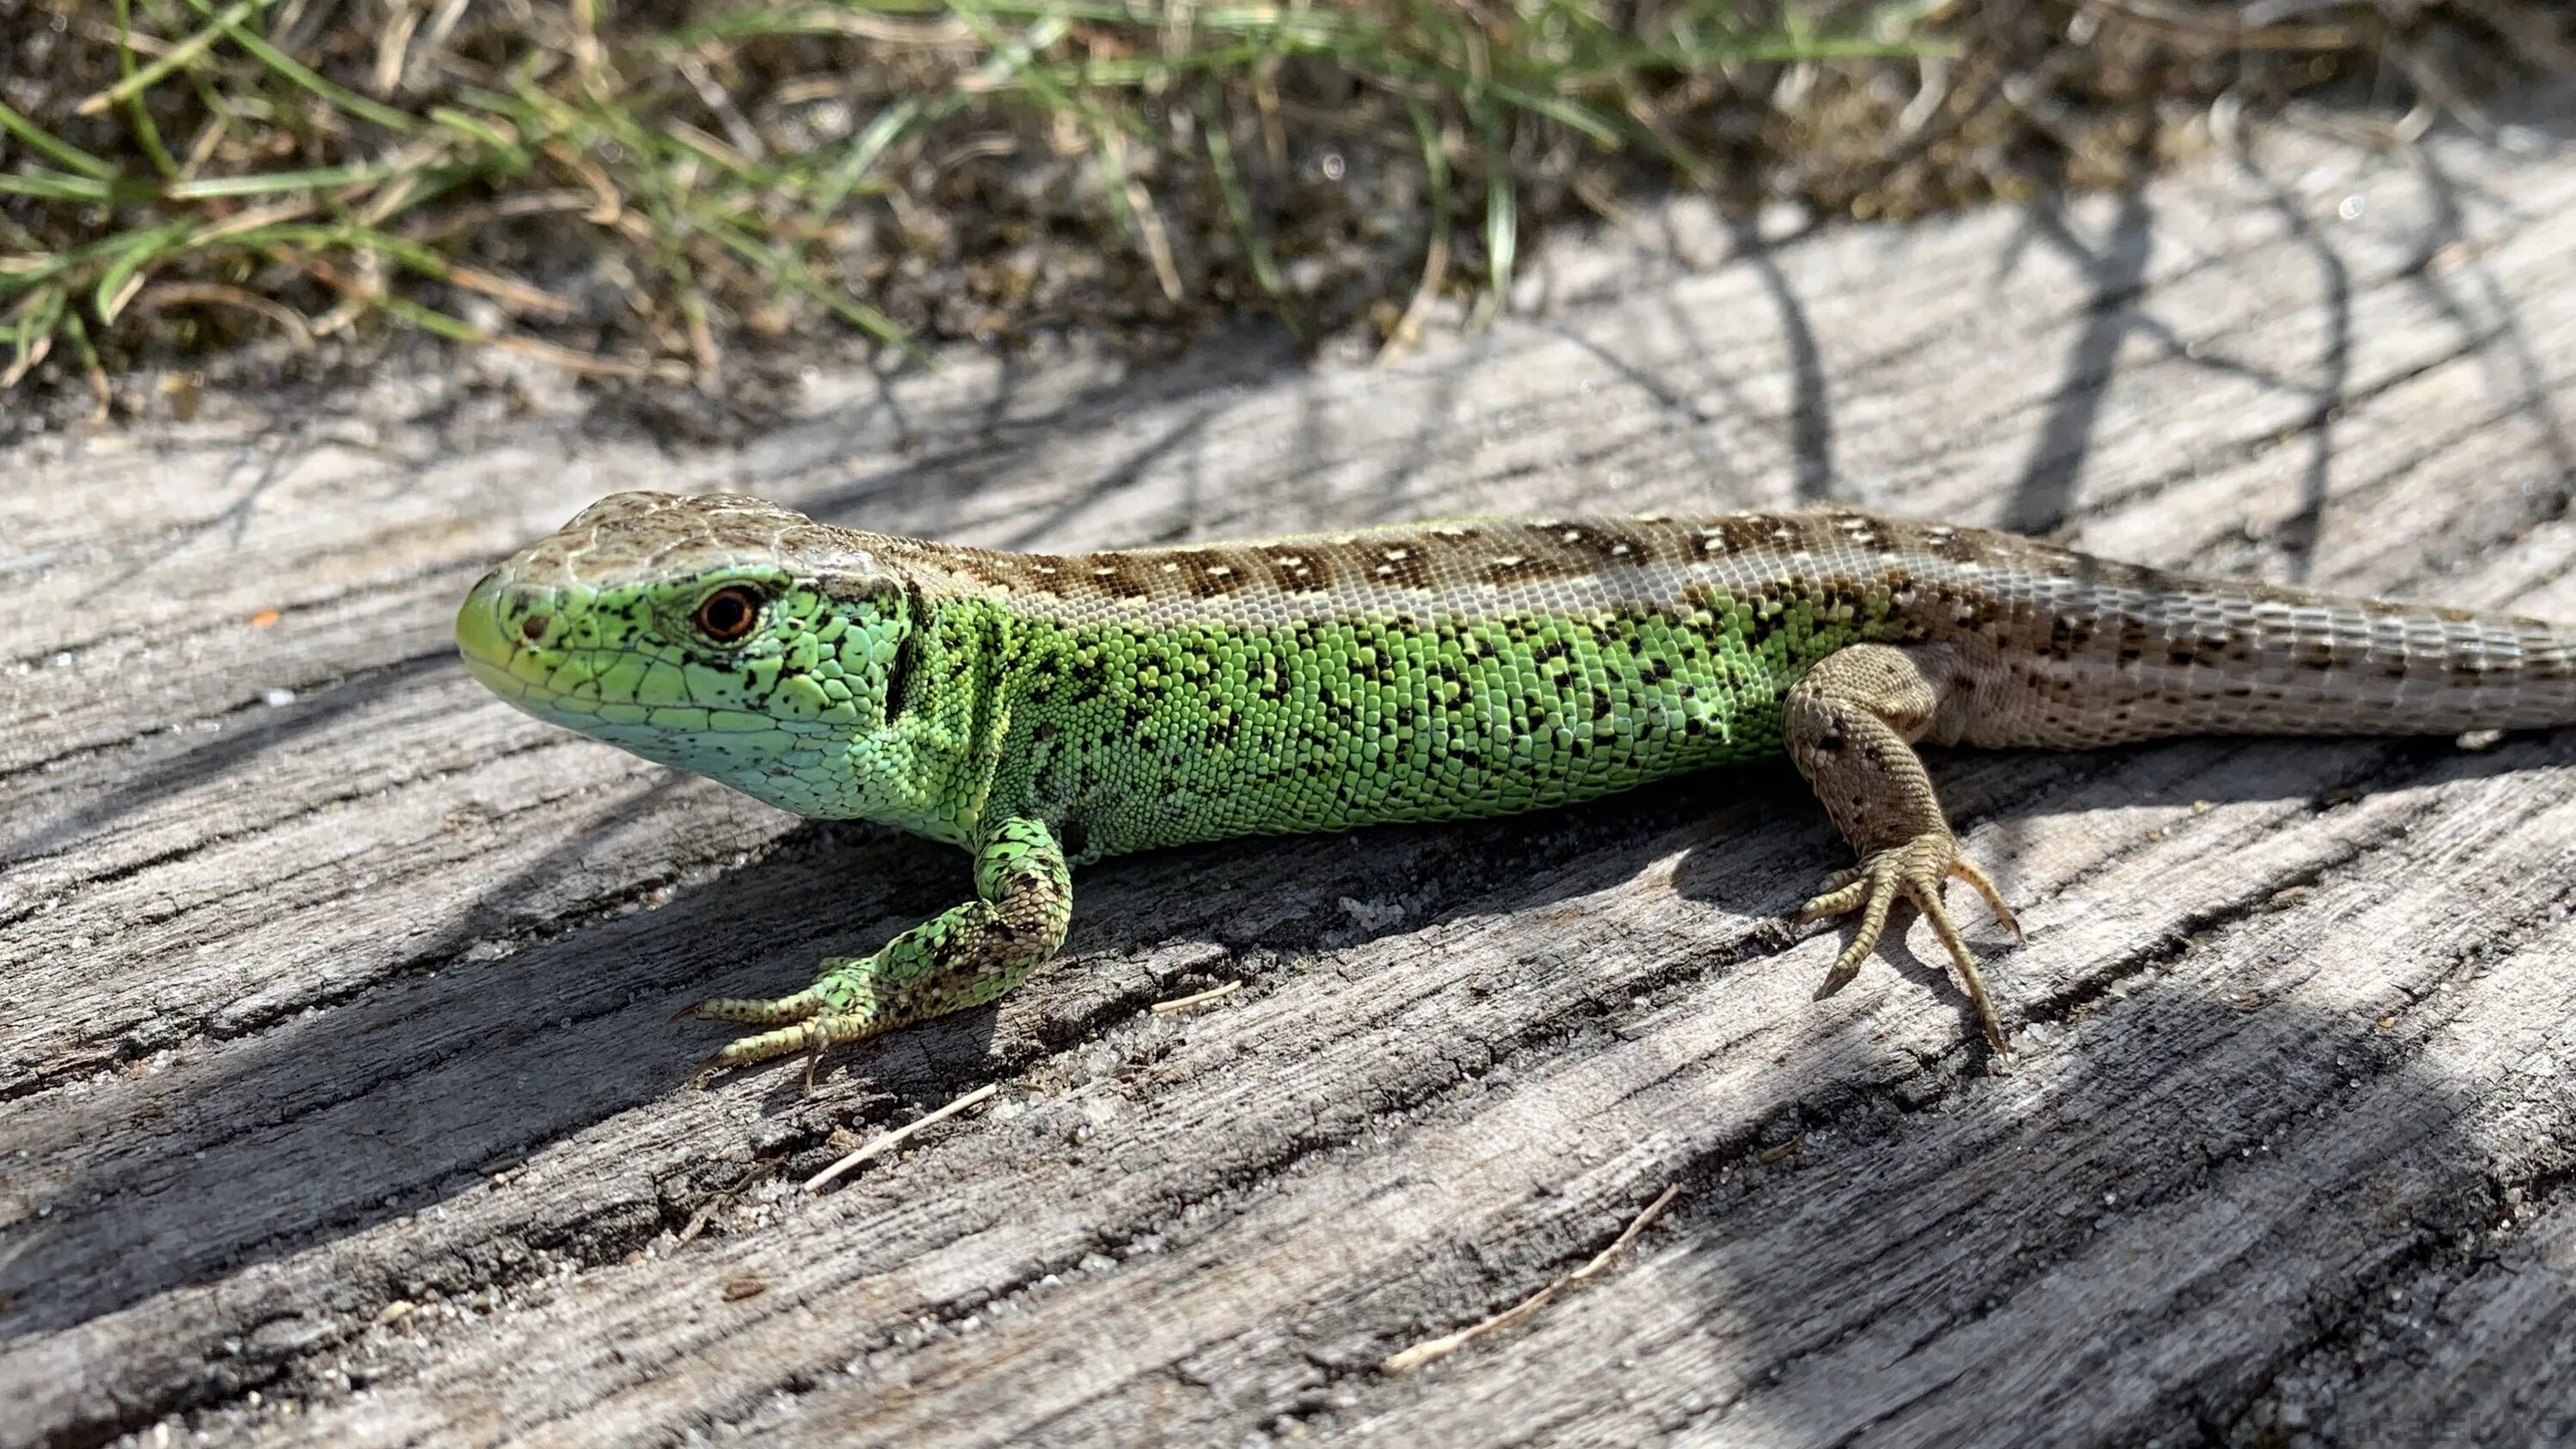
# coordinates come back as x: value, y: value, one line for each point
x: 727, y: 615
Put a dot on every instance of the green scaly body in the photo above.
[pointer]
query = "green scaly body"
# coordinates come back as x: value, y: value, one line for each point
x: 1130, y: 736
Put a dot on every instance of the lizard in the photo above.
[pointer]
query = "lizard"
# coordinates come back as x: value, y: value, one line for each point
x: 1046, y: 710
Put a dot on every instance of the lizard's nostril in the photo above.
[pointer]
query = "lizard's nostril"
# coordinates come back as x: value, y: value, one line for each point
x: 533, y: 628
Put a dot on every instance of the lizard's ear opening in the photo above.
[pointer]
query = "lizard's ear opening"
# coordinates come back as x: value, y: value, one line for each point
x: 907, y: 653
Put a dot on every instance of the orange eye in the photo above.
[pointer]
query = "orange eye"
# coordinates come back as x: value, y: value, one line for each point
x: 727, y: 615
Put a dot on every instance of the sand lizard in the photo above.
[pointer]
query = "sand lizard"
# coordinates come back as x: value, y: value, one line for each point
x: 1043, y: 710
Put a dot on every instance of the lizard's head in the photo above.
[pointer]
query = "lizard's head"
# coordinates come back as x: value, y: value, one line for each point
x: 719, y: 634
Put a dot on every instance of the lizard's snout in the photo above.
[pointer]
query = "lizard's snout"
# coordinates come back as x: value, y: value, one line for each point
x: 499, y: 625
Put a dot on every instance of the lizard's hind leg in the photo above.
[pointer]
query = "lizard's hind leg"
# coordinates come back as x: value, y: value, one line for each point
x: 1852, y: 723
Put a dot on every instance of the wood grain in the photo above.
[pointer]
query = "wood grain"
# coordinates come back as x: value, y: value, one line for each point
x: 337, y: 1103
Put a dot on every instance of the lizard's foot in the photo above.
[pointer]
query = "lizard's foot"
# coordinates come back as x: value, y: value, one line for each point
x: 838, y: 1007
x: 1917, y: 870
x: 809, y: 1035
x: 964, y: 956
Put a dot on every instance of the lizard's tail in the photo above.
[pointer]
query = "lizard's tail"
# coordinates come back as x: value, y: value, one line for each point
x: 2199, y: 656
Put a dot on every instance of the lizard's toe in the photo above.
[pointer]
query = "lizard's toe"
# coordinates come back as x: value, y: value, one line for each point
x: 1843, y: 892
x: 742, y: 1051
x: 1870, y: 889
x: 1966, y: 870
x: 1916, y: 870
x: 752, y: 1011
x: 809, y: 1036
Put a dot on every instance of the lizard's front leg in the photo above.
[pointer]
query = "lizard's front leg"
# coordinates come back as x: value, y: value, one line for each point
x: 1852, y: 723
x: 959, y: 958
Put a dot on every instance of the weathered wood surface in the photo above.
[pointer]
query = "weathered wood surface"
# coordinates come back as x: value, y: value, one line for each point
x: 337, y: 1103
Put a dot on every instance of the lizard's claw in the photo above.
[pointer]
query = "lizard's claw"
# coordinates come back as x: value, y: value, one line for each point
x: 1916, y: 870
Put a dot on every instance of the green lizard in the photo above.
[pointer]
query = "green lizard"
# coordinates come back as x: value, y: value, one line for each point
x: 1046, y: 710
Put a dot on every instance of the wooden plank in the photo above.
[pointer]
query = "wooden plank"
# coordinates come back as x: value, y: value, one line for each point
x: 337, y: 1105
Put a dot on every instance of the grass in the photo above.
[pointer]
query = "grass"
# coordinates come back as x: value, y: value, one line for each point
x: 634, y: 190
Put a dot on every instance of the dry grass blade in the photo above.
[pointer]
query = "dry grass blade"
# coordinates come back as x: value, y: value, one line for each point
x: 1196, y: 999
x: 1435, y: 260
x: 181, y: 294
x: 886, y: 1142
x: 2223, y: 30
x: 1438, y: 1348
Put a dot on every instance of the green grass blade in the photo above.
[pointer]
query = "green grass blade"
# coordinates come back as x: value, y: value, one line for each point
x: 269, y: 183
x: 1435, y: 168
x: 37, y: 138
x: 138, y: 116
x: 498, y: 143
x: 56, y: 186
x: 1238, y: 205
x: 1502, y: 211
x: 428, y: 319
x: 785, y: 269
x: 37, y: 318
x: 399, y: 122
x: 186, y: 52
x: 142, y: 250
x: 891, y: 123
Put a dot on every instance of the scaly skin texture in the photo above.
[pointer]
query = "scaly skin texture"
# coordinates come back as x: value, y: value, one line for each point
x: 1045, y: 710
